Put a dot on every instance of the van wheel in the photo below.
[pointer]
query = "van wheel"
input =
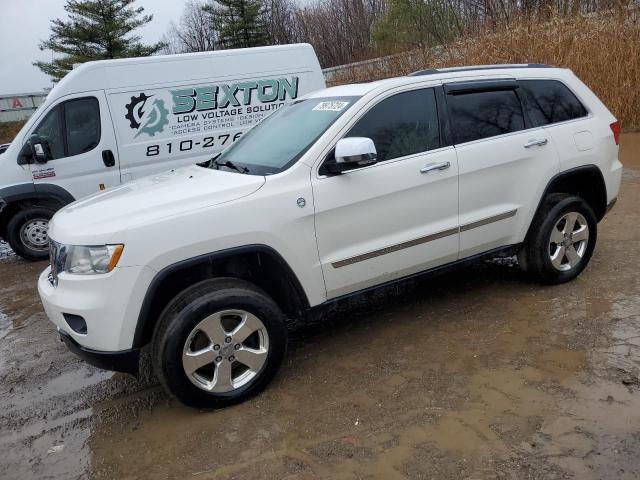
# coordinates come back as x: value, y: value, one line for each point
x: 563, y: 239
x: 218, y: 343
x: 27, y: 233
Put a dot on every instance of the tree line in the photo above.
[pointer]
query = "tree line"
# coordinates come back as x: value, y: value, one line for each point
x: 344, y: 31
x: 341, y: 31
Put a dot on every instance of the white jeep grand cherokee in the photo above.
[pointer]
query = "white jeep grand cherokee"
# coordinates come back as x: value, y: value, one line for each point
x: 346, y: 189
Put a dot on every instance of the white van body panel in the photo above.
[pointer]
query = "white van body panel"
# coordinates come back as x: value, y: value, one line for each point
x: 115, y: 82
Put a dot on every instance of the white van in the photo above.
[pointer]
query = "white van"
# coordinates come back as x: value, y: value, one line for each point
x: 111, y: 121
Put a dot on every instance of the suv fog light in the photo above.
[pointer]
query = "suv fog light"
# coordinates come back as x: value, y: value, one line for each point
x: 76, y: 323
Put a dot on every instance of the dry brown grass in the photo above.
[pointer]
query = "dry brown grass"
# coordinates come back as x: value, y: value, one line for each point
x: 603, y: 50
x: 9, y: 130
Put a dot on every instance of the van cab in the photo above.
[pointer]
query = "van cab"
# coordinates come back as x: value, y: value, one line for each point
x: 112, y: 121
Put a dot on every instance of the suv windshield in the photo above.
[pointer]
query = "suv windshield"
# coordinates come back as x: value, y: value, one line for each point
x: 283, y: 137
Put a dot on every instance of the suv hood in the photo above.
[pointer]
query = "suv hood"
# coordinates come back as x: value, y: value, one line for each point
x: 97, y: 218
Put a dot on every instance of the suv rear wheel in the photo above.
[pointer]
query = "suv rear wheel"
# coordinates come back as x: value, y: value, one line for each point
x: 563, y: 237
x: 218, y: 343
x: 27, y: 232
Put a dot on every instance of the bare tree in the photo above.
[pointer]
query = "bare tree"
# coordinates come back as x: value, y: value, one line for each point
x: 281, y: 21
x: 196, y: 32
x: 339, y: 30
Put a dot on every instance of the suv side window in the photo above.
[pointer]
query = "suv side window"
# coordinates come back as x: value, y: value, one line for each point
x: 72, y: 127
x: 404, y: 124
x: 550, y: 101
x: 486, y: 114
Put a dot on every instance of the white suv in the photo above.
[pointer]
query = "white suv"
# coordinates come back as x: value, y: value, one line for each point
x: 346, y: 189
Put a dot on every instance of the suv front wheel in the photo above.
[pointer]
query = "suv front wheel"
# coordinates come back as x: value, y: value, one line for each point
x: 562, y: 239
x: 218, y: 343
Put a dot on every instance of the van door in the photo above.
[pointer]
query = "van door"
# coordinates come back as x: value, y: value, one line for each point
x: 79, y: 133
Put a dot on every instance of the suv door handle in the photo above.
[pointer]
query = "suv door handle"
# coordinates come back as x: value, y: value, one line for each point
x: 536, y: 143
x: 108, y: 158
x: 430, y: 167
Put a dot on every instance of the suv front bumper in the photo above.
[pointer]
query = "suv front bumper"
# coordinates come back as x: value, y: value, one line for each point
x: 109, y: 305
x: 126, y: 361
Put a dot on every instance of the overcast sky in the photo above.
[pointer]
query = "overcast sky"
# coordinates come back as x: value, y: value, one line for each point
x: 23, y: 23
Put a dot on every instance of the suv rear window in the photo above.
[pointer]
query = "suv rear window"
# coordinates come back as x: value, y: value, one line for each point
x: 484, y: 114
x: 550, y: 101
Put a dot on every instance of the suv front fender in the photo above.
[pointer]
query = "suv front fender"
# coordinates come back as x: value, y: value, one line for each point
x: 259, y: 264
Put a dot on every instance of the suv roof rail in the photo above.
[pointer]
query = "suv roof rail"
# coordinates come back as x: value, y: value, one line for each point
x: 433, y: 71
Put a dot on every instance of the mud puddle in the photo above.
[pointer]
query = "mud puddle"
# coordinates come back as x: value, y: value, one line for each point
x: 477, y: 374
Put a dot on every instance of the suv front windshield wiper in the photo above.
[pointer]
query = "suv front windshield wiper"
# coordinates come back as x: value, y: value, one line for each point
x: 229, y: 164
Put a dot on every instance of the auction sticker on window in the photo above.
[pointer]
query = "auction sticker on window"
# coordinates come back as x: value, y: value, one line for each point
x: 330, y: 106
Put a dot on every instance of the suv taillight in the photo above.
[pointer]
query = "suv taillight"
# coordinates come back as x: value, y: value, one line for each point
x: 615, y: 128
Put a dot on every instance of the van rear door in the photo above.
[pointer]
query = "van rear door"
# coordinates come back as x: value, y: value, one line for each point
x: 80, y: 136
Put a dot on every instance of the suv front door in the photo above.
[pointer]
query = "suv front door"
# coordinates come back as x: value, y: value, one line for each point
x: 396, y: 217
x: 505, y: 163
x: 80, y: 137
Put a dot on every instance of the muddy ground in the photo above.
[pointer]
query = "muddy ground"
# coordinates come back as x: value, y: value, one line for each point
x: 479, y: 374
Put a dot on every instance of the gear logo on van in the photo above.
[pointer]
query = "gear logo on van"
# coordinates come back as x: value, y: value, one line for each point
x: 149, y: 121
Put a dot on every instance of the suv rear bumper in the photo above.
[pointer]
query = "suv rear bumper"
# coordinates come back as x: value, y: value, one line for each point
x: 126, y: 361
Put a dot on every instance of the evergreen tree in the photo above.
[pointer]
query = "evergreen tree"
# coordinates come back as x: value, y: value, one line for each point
x: 242, y: 22
x: 96, y: 30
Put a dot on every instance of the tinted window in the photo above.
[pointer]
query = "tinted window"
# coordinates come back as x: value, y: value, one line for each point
x: 279, y: 140
x: 50, y: 130
x: 484, y: 114
x: 401, y: 125
x: 550, y: 101
x: 82, y: 119
x: 72, y: 127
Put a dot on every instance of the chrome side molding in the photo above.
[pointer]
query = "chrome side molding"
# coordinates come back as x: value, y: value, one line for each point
x: 420, y: 240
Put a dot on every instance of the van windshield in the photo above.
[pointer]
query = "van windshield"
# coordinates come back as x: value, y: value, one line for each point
x: 283, y: 137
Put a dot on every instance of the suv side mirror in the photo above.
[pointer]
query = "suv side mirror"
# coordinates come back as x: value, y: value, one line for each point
x: 353, y: 152
x: 40, y: 150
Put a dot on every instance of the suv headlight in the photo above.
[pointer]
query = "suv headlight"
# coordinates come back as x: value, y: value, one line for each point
x: 84, y: 260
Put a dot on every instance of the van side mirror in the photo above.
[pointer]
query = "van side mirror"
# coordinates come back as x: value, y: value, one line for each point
x: 40, y: 150
x: 353, y: 152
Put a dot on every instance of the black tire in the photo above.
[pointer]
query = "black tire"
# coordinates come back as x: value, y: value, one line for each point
x: 186, y: 311
x: 535, y: 255
x: 18, y: 222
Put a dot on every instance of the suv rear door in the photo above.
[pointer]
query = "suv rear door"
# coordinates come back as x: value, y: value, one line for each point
x: 553, y: 106
x: 399, y: 216
x: 504, y: 162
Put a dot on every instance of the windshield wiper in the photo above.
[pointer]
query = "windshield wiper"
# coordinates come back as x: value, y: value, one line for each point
x: 230, y: 164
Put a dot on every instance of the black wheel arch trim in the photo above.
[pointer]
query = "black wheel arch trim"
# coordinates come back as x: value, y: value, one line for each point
x: 145, y: 309
x: 28, y: 191
x: 592, y: 169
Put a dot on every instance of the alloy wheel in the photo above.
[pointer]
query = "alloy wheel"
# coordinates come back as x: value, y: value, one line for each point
x: 569, y: 241
x: 225, y: 351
